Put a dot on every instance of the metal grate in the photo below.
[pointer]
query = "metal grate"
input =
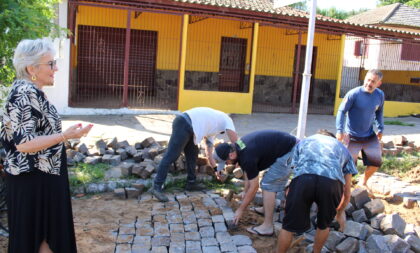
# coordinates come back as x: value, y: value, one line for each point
x: 98, y: 77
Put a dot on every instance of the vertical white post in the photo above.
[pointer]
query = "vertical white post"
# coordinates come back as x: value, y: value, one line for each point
x: 306, y: 80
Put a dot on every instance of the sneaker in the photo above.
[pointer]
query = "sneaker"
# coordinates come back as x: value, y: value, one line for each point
x: 159, y: 195
x: 195, y: 187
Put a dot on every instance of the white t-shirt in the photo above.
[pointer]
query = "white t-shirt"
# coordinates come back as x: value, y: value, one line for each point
x: 207, y: 122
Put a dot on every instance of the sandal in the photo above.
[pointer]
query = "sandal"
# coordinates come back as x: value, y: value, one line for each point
x: 252, y: 230
x: 255, y: 210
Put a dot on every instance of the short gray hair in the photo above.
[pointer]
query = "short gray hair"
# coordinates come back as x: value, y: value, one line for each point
x: 29, y: 53
x: 376, y: 72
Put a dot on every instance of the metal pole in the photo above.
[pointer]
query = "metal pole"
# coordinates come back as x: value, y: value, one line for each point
x: 306, y: 80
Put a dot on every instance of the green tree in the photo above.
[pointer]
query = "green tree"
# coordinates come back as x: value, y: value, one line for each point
x: 338, y: 14
x: 23, y: 19
x: 412, y: 3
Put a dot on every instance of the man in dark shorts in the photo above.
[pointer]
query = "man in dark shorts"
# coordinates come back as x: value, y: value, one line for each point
x: 361, y: 108
x: 322, y: 169
x: 261, y: 150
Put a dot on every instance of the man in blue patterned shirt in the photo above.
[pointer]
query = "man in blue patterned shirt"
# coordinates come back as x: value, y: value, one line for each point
x: 323, y: 169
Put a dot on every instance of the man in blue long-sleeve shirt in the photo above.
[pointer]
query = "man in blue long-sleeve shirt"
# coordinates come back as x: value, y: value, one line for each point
x: 361, y: 108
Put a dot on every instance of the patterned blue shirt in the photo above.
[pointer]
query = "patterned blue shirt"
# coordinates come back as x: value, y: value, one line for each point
x: 324, y: 156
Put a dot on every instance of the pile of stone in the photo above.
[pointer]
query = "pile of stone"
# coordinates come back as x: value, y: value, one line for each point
x: 367, y: 229
x: 398, y: 145
x: 138, y: 162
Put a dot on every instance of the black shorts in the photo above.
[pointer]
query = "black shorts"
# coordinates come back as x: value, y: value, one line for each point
x: 305, y: 190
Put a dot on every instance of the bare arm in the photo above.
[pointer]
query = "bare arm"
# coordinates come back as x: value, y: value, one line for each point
x: 249, y: 196
x: 209, y: 152
x: 46, y: 141
x: 341, y: 216
x: 233, y: 137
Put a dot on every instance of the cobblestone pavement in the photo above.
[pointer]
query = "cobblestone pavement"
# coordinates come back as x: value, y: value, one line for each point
x: 190, y: 222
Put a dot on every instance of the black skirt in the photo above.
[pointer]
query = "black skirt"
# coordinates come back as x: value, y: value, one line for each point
x: 39, y: 208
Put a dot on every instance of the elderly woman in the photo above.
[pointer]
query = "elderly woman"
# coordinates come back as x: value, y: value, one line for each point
x: 38, y: 198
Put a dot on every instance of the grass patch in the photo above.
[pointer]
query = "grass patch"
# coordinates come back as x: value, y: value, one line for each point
x: 396, y: 165
x: 397, y: 123
x: 214, y: 184
x: 87, y: 173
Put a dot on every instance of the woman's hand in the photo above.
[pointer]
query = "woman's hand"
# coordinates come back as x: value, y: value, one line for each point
x: 77, y: 131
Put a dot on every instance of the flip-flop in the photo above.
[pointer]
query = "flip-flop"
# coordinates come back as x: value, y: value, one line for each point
x: 252, y: 230
x: 255, y: 210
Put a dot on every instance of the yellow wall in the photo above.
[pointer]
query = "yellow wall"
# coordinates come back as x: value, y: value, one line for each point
x: 393, y: 108
x: 276, y: 51
x: 205, y: 39
x: 398, y: 77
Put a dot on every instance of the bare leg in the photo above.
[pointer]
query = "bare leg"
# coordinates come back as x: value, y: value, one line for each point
x: 320, y: 237
x: 368, y: 173
x: 44, y: 248
x: 284, y: 241
x: 269, y: 200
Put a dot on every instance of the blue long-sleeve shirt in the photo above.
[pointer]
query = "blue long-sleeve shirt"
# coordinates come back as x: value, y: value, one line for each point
x: 360, y: 109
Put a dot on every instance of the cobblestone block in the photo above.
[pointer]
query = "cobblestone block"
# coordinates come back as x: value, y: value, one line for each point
x: 334, y: 238
x: 241, y: 240
x: 204, y: 222
x: 355, y: 229
x: 191, y: 227
x: 393, y: 224
x: 119, y: 193
x: 220, y: 227
x: 176, y: 249
x: 192, y: 236
x: 246, y: 249
x: 137, y: 248
x: 161, y: 229
x: 125, y: 239
x: 359, y: 197
x: 396, y: 244
x: 159, y: 249
x: 92, y: 159
x: 193, y: 245
x: 218, y: 218
x: 362, y: 247
x: 223, y: 237
x: 144, y: 241
x: 359, y: 216
x: 414, y: 242
x: 211, y: 249
x: 148, y: 142
x: 176, y: 228
x: 377, y: 244
x: 127, y: 231
x: 206, y: 232
x: 375, y: 222
x: 161, y: 241
x: 349, y: 209
x: 374, y: 207
x: 349, y: 245
x: 178, y: 237
x: 209, y: 241
x: 228, y: 247
x: 123, y: 248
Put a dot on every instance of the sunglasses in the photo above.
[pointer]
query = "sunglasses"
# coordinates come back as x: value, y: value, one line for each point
x: 52, y: 64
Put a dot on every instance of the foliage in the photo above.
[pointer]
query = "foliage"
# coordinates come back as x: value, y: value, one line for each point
x: 397, y: 123
x: 87, y: 173
x: 338, y: 14
x: 23, y: 19
x: 396, y: 165
x: 412, y: 3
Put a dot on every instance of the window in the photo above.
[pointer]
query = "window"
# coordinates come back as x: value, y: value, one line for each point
x: 360, y: 48
x: 410, y: 51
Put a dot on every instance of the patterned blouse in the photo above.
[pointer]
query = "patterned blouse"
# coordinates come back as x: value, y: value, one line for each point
x: 28, y: 114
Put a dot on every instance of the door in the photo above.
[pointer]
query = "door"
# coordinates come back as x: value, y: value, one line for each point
x: 298, y: 76
x: 143, y: 52
x: 232, y: 64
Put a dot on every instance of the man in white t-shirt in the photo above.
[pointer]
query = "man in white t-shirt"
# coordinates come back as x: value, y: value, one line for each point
x: 188, y: 129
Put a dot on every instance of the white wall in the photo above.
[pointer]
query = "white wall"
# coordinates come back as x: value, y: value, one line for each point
x: 58, y: 93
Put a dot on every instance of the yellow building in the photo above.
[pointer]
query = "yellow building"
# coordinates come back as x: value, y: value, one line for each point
x: 183, y: 54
